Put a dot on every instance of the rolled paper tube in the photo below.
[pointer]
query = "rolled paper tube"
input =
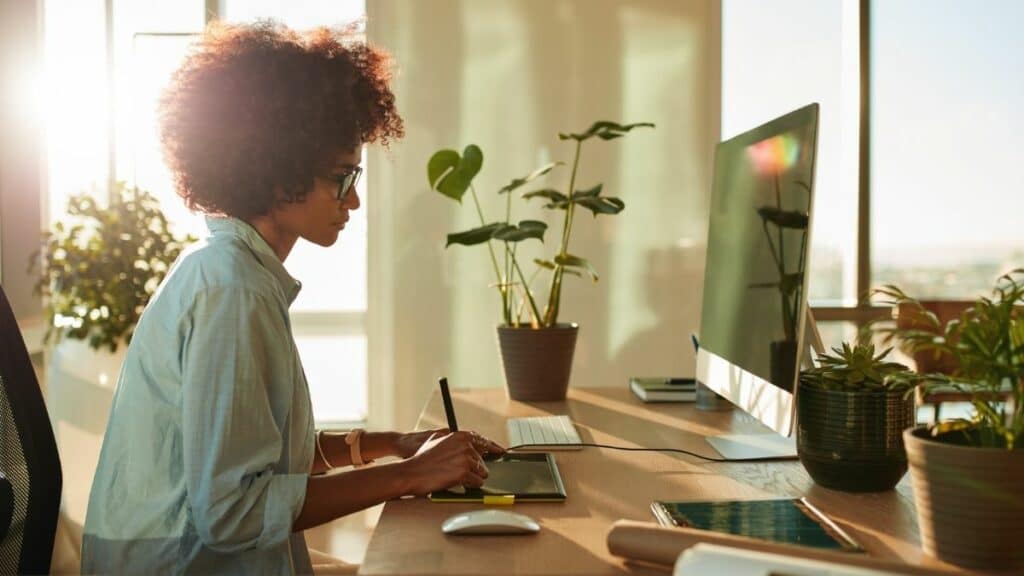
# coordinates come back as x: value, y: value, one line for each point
x: 661, y: 545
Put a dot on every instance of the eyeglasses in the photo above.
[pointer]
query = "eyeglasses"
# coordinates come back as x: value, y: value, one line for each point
x: 346, y: 182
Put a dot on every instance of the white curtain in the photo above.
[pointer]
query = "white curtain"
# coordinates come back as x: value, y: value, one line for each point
x: 509, y: 76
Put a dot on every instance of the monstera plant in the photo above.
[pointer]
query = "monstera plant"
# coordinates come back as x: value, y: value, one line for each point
x: 536, y: 349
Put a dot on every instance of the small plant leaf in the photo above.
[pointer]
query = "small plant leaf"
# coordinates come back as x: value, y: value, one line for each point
x: 516, y: 183
x: 477, y: 235
x: 604, y: 130
x: 570, y: 261
x: 558, y: 201
x: 783, y: 218
x: 527, y: 229
x: 603, y: 205
x: 549, y: 193
x: 451, y: 174
x: 592, y: 193
x: 551, y: 266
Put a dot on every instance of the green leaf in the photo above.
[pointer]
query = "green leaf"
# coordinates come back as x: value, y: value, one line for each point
x: 450, y: 174
x: 516, y: 183
x: 603, y: 205
x: 604, y: 130
x: 571, y: 261
x: 551, y: 266
x: 476, y: 235
x: 783, y: 218
x: 557, y: 199
x: 592, y: 193
x: 526, y: 229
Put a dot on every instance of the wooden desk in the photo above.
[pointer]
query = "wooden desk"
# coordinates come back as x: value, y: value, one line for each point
x: 605, y: 485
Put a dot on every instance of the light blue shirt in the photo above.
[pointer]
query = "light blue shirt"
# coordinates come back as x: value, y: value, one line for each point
x: 210, y: 440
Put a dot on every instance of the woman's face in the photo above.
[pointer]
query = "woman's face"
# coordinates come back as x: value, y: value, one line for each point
x: 320, y: 216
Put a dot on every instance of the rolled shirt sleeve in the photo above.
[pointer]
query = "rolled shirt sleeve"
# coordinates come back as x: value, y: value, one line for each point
x: 233, y: 416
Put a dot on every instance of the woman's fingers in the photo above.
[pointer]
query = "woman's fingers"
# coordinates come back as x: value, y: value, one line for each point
x: 485, y: 446
x: 495, y: 448
x: 472, y: 480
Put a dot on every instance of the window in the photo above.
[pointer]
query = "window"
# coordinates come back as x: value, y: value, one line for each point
x: 780, y: 56
x: 917, y: 97
x: 947, y: 192
x: 117, y: 64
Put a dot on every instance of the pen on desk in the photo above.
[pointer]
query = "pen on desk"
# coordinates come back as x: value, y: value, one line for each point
x: 449, y: 411
x: 696, y: 343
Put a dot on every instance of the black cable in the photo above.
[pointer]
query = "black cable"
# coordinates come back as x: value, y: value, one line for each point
x: 627, y: 449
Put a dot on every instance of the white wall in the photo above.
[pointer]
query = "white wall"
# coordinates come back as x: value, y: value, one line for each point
x: 20, y: 159
x: 509, y: 76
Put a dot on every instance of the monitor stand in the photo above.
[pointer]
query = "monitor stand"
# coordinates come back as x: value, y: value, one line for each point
x: 770, y: 444
x: 753, y: 446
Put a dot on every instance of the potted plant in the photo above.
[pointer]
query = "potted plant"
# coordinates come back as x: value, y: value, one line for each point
x: 967, y: 473
x: 536, y: 353
x: 852, y: 410
x: 99, y: 268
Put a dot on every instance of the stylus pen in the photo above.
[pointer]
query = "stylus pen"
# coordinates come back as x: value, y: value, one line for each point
x: 449, y: 411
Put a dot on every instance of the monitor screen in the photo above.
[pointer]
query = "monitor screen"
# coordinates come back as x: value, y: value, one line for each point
x: 758, y: 240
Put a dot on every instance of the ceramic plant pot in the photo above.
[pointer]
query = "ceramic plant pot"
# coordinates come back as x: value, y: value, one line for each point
x: 853, y: 441
x: 537, y: 362
x: 969, y: 505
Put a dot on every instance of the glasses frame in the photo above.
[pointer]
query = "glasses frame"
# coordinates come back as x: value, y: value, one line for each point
x: 346, y: 182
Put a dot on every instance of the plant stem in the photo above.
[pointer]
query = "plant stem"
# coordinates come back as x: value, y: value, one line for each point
x: 508, y: 301
x: 555, y: 293
x: 529, y: 297
x: 494, y: 259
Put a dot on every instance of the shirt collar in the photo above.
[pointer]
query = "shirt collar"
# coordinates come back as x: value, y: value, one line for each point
x: 227, y: 226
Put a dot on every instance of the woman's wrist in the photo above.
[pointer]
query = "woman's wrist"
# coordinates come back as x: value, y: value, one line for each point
x: 376, y: 445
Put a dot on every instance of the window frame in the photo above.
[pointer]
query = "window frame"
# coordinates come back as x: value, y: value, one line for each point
x: 862, y: 312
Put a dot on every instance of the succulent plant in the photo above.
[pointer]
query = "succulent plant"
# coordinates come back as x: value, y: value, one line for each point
x: 859, y: 369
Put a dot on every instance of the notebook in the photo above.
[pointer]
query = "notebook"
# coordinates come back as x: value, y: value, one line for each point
x: 785, y: 520
x: 531, y: 477
x: 654, y: 389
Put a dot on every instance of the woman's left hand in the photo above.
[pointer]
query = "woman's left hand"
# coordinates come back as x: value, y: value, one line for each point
x: 409, y: 443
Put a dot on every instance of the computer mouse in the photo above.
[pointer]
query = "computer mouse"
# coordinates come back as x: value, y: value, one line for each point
x: 489, y: 521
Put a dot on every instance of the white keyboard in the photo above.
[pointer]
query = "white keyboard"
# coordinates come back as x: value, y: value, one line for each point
x: 543, y: 433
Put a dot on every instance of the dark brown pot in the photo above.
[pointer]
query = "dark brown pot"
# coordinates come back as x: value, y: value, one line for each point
x: 969, y: 505
x: 537, y: 362
x: 782, y: 365
x: 853, y: 441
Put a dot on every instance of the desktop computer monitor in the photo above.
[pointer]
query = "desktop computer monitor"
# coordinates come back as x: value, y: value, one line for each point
x: 754, y: 307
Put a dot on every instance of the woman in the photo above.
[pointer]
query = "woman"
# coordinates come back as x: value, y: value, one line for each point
x: 210, y: 463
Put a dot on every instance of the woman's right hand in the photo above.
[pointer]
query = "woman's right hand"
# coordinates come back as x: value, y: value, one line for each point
x: 444, y: 461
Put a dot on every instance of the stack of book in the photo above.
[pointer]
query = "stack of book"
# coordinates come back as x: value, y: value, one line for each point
x: 661, y: 389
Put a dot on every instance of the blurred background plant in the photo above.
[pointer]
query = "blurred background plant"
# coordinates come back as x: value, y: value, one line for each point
x: 99, y: 267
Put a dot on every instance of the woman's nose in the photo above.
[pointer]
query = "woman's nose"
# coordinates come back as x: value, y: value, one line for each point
x: 351, y: 200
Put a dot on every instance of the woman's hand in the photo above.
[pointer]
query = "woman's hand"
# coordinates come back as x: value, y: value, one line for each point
x: 408, y: 444
x: 446, y: 460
